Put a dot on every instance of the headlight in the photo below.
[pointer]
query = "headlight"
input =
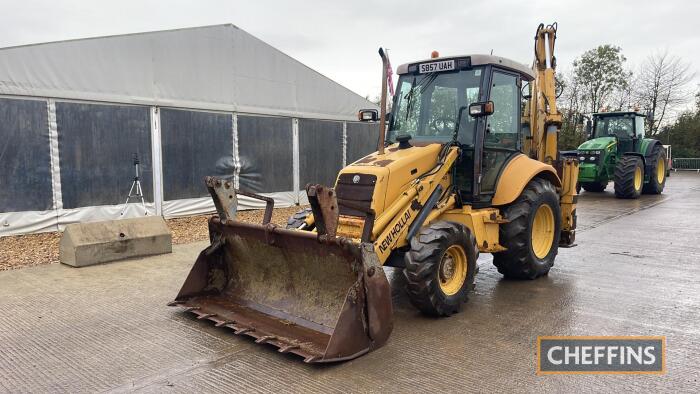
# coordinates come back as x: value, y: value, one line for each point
x: 592, y: 158
x: 597, y: 152
x: 582, y: 158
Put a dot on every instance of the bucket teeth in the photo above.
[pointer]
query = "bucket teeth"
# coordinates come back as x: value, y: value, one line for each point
x: 311, y: 359
x: 191, y: 308
x: 224, y: 323
x: 287, y: 348
x: 243, y: 330
x: 265, y: 339
x: 206, y: 316
x: 175, y: 303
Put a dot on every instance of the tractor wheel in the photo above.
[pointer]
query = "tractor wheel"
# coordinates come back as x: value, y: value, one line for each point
x: 596, y: 187
x: 657, y: 176
x: 440, y: 268
x: 629, y: 177
x: 532, y: 234
x: 296, y: 221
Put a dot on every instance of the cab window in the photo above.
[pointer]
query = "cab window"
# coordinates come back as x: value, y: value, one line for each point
x: 502, y: 138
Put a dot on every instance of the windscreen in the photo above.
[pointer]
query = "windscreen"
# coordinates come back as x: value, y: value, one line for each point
x: 614, y: 126
x: 427, y: 105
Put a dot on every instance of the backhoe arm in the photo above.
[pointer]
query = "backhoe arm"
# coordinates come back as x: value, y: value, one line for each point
x: 546, y: 122
x: 546, y: 119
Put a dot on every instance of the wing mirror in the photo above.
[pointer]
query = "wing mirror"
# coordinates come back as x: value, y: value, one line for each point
x: 368, y: 115
x: 589, y: 129
x: 484, y: 108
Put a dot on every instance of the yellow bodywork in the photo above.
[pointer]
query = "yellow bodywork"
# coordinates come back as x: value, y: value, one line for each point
x: 402, y: 188
x: 406, y: 178
x: 517, y: 173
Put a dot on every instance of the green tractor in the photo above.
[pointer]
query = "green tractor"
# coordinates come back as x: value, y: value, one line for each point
x: 617, y: 150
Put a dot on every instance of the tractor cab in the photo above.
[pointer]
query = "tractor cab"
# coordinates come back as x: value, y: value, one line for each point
x: 626, y: 128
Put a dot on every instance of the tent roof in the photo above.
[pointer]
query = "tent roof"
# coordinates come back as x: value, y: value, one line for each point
x: 217, y: 67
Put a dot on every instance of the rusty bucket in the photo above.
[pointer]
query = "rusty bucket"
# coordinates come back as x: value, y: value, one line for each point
x: 324, y: 298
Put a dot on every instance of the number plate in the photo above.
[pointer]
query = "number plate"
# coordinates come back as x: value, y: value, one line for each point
x: 445, y: 65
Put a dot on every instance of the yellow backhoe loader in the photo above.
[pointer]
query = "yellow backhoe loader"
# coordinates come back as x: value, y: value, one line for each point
x: 470, y: 164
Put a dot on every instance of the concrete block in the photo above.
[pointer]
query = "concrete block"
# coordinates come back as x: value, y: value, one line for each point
x: 84, y: 244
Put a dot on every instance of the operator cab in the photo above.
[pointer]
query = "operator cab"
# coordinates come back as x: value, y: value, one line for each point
x: 475, y: 101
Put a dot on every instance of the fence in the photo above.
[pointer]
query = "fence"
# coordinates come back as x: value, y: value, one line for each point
x: 692, y: 163
x: 64, y: 161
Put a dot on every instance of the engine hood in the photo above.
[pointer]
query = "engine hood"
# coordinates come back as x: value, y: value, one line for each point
x: 597, y: 143
x: 394, y: 170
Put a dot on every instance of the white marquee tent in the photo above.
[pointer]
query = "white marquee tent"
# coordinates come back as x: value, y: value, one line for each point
x: 190, y: 102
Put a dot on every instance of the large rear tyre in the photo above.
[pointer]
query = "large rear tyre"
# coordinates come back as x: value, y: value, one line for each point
x: 298, y: 220
x: 532, y: 234
x: 658, y: 174
x: 440, y: 268
x: 629, y: 177
x: 596, y: 187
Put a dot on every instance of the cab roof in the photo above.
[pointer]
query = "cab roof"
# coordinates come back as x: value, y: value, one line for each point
x: 615, y: 113
x: 478, y: 60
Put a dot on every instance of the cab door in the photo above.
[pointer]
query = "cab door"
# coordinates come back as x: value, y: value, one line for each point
x: 501, y: 138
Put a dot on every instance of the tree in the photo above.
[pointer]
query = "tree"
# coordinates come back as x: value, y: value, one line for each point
x: 684, y: 133
x: 571, y: 103
x: 600, y: 72
x: 624, y: 97
x: 662, y: 87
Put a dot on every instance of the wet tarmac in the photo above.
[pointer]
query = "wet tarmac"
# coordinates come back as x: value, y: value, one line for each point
x: 635, y: 271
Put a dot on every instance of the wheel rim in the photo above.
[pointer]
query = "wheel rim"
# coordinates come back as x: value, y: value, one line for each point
x: 542, y: 231
x: 453, y: 270
x: 660, y: 170
x: 637, y: 178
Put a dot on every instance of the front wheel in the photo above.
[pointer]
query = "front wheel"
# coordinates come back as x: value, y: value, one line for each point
x: 629, y: 177
x: 531, y: 236
x: 440, y: 268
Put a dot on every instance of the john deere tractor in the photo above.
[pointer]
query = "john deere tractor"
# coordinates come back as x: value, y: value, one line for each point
x: 617, y: 151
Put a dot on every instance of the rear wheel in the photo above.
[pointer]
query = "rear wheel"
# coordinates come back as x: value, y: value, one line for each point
x: 594, y: 186
x: 657, y: 176
x: 532, y: 234
x: 440, y: 268
x: 298, y: 220
x: 629, y: 177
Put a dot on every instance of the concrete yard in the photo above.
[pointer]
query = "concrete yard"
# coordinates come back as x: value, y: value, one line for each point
x: 635, y: 271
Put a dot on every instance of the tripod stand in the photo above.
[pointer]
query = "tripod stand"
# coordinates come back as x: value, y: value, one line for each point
x: 136, y: 191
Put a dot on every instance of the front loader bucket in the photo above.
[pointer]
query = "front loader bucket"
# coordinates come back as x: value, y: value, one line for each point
x: 323, y: 298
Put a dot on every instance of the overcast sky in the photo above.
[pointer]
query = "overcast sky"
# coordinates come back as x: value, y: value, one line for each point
x: 340, y: 38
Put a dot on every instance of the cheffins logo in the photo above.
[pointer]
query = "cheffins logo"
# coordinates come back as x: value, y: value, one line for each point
x: 601, y: 355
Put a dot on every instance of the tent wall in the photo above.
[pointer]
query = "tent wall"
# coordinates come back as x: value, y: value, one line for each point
x: 361, y: 140
x: 68, y: 161
x: 195, y: 144
x: 265, y: 154
x: 97, y: 144
x: 25, y: 162
x: 320, y: 151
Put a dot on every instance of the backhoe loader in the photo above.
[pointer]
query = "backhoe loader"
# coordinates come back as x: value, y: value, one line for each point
x: 469, y: 164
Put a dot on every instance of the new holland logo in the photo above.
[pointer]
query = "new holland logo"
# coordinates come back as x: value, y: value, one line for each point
x: 395, y: 231
x: 356, y: 179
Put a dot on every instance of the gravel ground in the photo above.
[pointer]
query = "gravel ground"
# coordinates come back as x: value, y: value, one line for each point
x: 34, y: 249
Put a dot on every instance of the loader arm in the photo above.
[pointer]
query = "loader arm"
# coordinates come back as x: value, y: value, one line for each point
x: 391, y: 229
